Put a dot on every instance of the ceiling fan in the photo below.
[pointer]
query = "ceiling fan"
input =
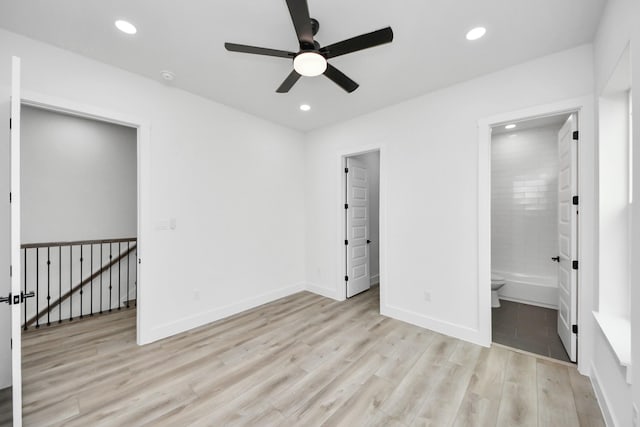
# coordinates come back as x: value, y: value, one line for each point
x: 311, y: 59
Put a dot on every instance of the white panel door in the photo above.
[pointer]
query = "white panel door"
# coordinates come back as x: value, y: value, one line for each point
x: 14, y: 298
x: 358, y: 217
x: 568, y: 236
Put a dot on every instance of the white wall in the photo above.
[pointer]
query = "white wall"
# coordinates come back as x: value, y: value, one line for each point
x: 619, y: 27
x: 372, y: 161
x: 429, y: 192
x: 231, y: 181
x: 79, y: 178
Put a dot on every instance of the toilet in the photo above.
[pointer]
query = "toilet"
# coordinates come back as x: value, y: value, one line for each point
x: 496, y: 283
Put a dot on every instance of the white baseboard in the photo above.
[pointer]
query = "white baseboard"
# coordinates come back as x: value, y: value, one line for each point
x: 196, y: 320
x: 325, y: 292
x: 603, y: 402
x: 374, y: 280
x: 445, y: 328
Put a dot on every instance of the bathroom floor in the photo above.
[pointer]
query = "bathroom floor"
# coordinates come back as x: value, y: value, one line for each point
x: 529, y: 328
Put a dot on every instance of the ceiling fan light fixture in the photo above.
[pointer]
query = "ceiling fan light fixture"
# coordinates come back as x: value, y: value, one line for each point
x: 310, y: 64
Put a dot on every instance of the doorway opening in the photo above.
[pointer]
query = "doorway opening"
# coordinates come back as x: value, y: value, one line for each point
x: 534, y: 235
x: 362, y: 223
x: 78, y: 218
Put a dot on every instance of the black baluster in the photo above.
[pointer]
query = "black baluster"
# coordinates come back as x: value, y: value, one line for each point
x: 48, y: 286
x: 128, y: 269
x: 59, y: 284
x: 91, y: 280
x: 119, y: 276
x: 37, y: 288
x: 81, y: 291
x: 110, y: 277
x: 101, y: 274
x: 25, y: 288
x: 70, y: 283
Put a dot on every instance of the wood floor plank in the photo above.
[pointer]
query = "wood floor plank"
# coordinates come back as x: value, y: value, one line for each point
x: 556, y: 404
x: 303, y: 360
x: 441, y: 406
x: 482, y: 399
x: 519, y: 404
x: 410, y: 393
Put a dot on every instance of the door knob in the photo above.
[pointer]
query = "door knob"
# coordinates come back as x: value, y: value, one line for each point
x: 368, y: 241
x: 555, y: 258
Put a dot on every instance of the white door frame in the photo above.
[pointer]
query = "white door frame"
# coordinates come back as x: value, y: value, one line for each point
x: 143, y: 127
x: 341, y: 289
x: 587, y: 190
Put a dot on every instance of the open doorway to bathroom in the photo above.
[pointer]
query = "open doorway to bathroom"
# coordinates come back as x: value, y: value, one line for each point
x: 534, y: 214
x: 362, y: 224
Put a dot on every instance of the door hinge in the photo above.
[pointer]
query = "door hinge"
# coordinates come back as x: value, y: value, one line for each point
x: 10, y: 123
x: 576, y: 135
x: 346, y: 205
x: 346, y: 278
x: 574, y: 265
x: 574, y: 329
x: 9, y: 196
x: 12, y: 343
x: 346, y: 170
x: 576, y: 200
x: 11, y: 271
x: 346, y: 242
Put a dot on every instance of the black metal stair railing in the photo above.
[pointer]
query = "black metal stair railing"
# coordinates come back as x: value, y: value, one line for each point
x: 90, y: 295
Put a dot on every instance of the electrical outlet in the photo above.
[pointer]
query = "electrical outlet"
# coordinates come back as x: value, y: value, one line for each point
x: 427, y: 296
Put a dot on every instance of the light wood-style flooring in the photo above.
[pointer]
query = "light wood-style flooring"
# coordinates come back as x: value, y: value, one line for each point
x: 304, y: 360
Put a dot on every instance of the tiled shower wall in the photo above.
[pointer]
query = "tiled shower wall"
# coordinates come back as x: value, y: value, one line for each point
x: 524, y: 203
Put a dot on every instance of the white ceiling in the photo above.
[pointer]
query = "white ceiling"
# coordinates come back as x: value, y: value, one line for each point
x: 187, y: 37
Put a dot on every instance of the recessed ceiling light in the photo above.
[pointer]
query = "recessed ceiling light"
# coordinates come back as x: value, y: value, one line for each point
x: 476, y: 33
x: 511, y: 126
x: 167, y: 75
x: 126, y: 27
x: 305, y: 107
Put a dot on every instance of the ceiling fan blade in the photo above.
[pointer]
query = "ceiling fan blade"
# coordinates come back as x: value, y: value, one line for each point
x: 232, y: 47
x: 299, y: 11
x: 357, y: 43
x: 339, y: 78
x: 288, y: 83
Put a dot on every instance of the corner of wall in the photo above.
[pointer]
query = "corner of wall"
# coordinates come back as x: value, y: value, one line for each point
x: 325, y: 292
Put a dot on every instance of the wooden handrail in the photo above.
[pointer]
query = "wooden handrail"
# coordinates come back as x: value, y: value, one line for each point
x: 86, y: 281
x: 77, y: 243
